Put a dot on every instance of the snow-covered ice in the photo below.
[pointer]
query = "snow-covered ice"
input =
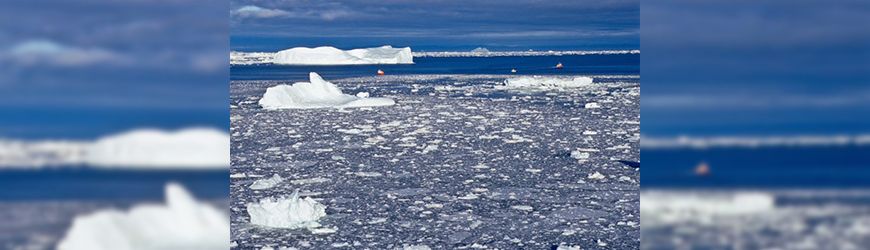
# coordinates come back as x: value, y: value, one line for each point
x: 182, y: 223
x: 327, y: 55
x: 317, y: 93
x: 292, y: 212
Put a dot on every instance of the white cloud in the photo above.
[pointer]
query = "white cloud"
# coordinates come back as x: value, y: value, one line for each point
x: 251, y: 11
x: 45, y: 52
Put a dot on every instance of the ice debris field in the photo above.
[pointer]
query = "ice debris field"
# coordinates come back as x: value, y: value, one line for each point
x: 456, y: 162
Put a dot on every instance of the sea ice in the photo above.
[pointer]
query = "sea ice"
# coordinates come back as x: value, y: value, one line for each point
x: 183, y: 223
x: 293, y: 212
x: 327, y: 55
x: 267, y: 183
x: 315, y: 94
x: 547, y: 82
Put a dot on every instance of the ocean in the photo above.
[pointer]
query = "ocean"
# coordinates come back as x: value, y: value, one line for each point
x: 457, y: 161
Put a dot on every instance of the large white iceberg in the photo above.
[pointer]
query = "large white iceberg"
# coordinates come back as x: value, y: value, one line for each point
x: 667, y: 207
x: 293, y: 212
x: 141, y: 148
x: 315, y: 94
x: 547, y: 82
x: 182, y: 223
x: 187, y: 148
x: 327, y: 55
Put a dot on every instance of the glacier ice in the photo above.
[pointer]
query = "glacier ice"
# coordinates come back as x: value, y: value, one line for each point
x: 267, y: 183
x: 317, y: 93
x: 293, y: 212
x: 182, y: 223
x: 191, y: 148
x: 665, y: 207
x: 327, y: 55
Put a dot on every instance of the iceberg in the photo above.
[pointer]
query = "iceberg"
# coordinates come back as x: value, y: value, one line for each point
x: 327, y: 55
x: 140, y: 148
x: 545, y: 82
x: 182, y: 223
x: 187, y: 148
x: 316, y: 94
x: 292, y: 212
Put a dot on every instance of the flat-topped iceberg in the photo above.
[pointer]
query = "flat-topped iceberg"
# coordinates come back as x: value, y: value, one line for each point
x: 182, y: 223
x: 151, y: 148
x: 547, y: 82
x: 293, y: 212
x: 316, y: 94
x: 139, y: 148
x: 327, y: 55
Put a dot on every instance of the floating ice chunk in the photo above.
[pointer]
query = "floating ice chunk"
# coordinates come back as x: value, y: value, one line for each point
x: 267, y: 183
x: 523, y: 208
x: 686, y: 205
x: 369, y: 174
x: 416, y: 247
x: 567, y: 247
x: 592, y: 105
x: 596, y: 176
x: 362, y: 94
x: 327, y: 55
x: 579, y: 155
x: 547, y: 82
x: 315, y: 94
x: 183, y: 223
x: 150, y: 148
x: 292, y: 212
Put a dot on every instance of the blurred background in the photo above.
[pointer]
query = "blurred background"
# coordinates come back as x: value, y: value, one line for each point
x: 756, y: 133
x: 105, y: 103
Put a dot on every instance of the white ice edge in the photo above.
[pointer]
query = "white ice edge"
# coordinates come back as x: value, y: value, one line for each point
x: 327, y: 55
x: 696, y: 142
x: 195, y: 148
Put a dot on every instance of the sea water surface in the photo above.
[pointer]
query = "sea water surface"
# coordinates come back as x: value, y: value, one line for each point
x: 458, y: 162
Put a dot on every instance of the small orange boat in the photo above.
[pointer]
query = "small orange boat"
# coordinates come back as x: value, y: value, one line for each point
x: 559, y: 66
x: 702, y: 169
x: 380, y: 72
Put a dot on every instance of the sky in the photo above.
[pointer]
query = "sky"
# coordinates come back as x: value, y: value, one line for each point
x: 85, y: 68
x: 433, y: 25
x: 755, y: 67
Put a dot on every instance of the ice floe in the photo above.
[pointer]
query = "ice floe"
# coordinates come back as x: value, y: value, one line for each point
x: 691, y: 206
x: 293, y: 212
x: 547, y: 82
x: 317, y: 93
x: 267, y: 183
x: 182, y: 223
x: 327, y: 55
x: 141, y: 148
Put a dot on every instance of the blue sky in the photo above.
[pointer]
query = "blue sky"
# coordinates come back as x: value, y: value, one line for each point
x: 258, y: 25
x: 85, y: 68
x: 755, y: 67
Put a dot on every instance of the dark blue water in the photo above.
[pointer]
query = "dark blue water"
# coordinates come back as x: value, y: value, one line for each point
x: 77, y: 183
x: 775, y: 167
x: 623, y: 64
